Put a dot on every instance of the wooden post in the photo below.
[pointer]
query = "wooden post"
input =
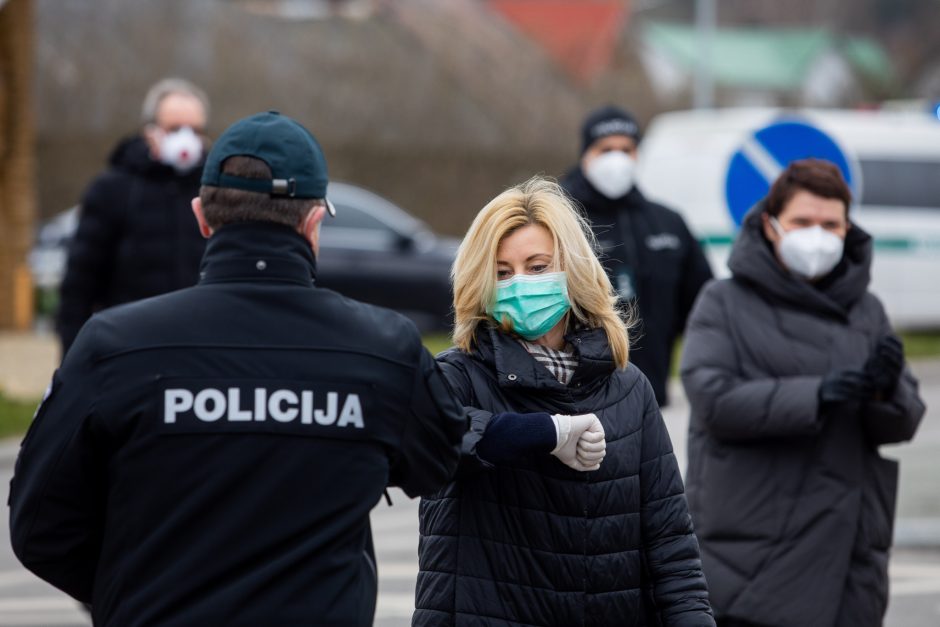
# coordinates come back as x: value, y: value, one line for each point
x: 17, y: 163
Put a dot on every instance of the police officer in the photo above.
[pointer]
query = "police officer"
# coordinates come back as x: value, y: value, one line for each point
x: 210, y: 456
x: 654, y: 262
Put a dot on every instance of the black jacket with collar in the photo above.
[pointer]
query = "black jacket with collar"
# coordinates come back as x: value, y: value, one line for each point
x: 668, y: 266
x: 136, y: 237
x: 210, y: 456
x: 534, y: 542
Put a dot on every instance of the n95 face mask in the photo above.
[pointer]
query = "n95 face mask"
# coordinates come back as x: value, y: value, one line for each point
x: 181, y: 149
x: 611, y: 173
x: 810, y: 252
x: 534, y: 303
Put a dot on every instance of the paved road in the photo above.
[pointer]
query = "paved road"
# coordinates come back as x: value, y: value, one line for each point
x: 915, y: 572
x: 25, y: 600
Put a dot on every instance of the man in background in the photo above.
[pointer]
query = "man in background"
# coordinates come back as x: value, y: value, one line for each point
x: 654, y: 262
x: 136, y: 235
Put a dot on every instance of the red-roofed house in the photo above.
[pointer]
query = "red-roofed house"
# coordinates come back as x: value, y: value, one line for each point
x: 580, y: 35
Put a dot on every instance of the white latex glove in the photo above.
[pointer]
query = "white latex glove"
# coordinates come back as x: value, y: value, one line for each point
x: 592, y: 446
x: 570, y: 430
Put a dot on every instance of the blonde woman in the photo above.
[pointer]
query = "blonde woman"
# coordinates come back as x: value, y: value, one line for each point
x: 568, y: 507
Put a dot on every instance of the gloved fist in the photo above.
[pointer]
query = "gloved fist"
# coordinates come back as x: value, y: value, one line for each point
x: 885, y: 364
x: 846, y: 386
x: 592, y: 446
x: 571, y: 430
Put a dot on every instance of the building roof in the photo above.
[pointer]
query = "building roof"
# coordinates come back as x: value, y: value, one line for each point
x: 767, y: 58
x: 579, y: 35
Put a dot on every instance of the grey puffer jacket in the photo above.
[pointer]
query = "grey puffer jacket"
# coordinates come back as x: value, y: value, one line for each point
x: 793, y: 505
x: 535, y: 543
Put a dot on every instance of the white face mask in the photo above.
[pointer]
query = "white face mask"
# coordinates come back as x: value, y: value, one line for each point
x: 181, y: 149
x: 810, y: 252
x: 611, y: 173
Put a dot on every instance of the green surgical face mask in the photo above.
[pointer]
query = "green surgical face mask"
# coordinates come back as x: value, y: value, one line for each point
x: 533, y: 302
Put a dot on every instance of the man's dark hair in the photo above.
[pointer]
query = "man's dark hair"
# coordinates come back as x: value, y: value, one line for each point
x: 222, y: 205
x: 816, y: 176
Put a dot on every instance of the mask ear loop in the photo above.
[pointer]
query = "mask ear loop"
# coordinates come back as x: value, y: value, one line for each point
x: 777, y: 226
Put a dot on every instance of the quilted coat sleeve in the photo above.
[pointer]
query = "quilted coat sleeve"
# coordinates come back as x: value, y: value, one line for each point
x: 460, y: 385
x: 670, y: 548
x: 730, y: 405
x: 895, y: 419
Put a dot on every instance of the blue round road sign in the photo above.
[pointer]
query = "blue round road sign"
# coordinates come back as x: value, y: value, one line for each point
x: 765, y: 154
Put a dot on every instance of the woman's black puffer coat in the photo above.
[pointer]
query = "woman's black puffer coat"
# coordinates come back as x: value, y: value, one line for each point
x: 537, y: 543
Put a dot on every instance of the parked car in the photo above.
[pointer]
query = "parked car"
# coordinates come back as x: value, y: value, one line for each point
x: 372, y: 251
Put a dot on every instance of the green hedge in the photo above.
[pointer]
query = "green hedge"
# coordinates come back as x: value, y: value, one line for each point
x: 15, y: 415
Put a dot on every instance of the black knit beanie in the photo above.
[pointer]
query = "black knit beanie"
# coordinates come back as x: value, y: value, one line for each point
x: 609, y: 120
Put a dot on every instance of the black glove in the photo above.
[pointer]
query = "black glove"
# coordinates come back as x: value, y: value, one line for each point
x: 885, y: 364
x: 846, y: 386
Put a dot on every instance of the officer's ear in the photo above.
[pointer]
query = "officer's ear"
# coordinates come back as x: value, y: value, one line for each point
x: 310, y: 227
x: 204, y: 227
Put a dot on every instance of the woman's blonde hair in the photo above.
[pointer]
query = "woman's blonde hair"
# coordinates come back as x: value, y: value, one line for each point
x: 543, y: 202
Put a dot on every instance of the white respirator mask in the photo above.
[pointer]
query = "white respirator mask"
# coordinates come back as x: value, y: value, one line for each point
x: 611, y: 173
x: 181, y: 149
x: 810, y: 252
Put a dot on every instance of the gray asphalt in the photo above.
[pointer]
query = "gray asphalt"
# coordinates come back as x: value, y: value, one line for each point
x: 915, y: 566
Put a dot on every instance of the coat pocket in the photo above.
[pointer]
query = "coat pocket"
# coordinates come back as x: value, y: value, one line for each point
x: 880, y: 500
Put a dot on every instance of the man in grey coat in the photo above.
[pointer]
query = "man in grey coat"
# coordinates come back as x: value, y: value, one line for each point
x: 795, y: 378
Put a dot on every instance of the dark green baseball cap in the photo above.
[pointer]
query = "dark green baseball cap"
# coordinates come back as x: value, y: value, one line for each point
x: 290, y: 150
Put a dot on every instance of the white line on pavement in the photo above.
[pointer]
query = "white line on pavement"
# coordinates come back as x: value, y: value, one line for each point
x: 915, y: 586
x: 395, y: 605
x: 29, y: 604
x: 398, y: 570
x: 16, y: 577
x: 45, y: 620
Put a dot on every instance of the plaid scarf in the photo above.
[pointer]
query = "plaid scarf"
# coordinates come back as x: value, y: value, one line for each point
x: 561, y: 363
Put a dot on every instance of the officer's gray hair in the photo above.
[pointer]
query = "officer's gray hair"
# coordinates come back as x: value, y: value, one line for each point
x: 164, y: 88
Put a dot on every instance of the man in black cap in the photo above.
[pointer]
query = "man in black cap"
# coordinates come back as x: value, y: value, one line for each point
x: 654, y: 262
x: 210, y: 456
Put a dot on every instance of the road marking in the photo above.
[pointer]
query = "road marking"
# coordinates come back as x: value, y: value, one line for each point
x: 398, y: 570
x: 45, y: 620
x: 17, y: 577
x: 913, y: 579
x: 915, y: 570
x: 395, y: 605
x: 29, y: 604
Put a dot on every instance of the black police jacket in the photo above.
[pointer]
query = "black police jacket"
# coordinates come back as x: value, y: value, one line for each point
x: 533, y: 542
x: 647, y: 249
x: 136, y: 237
x: 210, y: 456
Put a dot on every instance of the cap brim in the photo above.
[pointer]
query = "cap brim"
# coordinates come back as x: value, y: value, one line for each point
x: 330, y: 209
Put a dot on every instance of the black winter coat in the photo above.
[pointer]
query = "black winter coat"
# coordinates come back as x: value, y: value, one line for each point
x: 793, y: 505
x: 652, y: 244
x: 537, y: 543
x: 136, y: 237
x: 211, y: 456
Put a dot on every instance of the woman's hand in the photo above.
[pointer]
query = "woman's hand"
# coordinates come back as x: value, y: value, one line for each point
x: 592, y: 446
x: 581, y: 443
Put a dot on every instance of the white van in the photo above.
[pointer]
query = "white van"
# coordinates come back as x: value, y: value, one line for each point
x: 894, y: 160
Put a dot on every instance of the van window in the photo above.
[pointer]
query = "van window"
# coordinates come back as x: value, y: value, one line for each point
x: 901, y: 183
